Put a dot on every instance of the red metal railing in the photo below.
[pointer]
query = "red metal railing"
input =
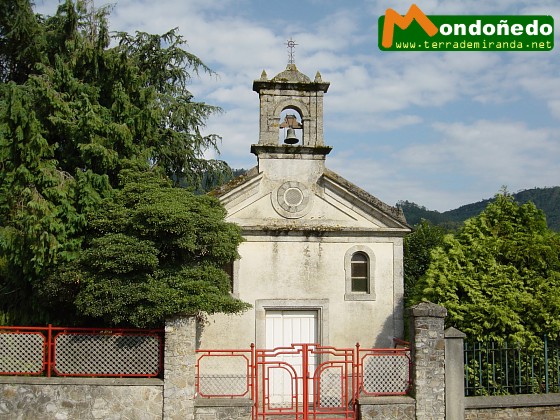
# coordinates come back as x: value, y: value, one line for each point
x: 398, y: 343
x: 92, y: 352
x: 383, y: 371
x: 321, y: 379
x: 225, y: 373
x: 333, y: 382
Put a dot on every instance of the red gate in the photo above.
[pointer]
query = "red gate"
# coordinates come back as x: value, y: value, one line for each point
x: 304, y: 381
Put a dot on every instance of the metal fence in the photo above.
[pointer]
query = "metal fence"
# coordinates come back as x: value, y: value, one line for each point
x: 384, y: 371
x: 492, y: 369
x: 56, y: 351
x: 221, y: 373
x: 231, y: 373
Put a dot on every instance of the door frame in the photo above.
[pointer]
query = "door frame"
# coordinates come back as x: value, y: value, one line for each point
x: 321, y: 306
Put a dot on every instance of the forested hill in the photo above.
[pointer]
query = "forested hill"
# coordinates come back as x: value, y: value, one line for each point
x: 546, y: 199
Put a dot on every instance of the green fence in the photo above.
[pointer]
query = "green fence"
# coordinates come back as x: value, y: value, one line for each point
x: 492, y: 369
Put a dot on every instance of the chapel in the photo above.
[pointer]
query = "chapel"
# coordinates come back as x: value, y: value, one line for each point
x: 322, y: 259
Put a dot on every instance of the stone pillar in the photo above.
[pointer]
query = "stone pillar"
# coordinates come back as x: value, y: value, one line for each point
x: 427, y: 347
x: 454, y: 375
x: 179, y: 368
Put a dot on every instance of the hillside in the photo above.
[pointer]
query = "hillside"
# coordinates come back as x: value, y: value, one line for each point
x: 546, y: 199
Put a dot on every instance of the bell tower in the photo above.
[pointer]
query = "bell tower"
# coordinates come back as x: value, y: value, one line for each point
x: 291, y: 125
x: 294, y: 91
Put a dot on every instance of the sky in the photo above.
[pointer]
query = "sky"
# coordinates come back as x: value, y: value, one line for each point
x: 440, y: 129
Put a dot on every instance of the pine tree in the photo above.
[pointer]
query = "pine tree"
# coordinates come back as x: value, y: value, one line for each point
x: 79, y: 107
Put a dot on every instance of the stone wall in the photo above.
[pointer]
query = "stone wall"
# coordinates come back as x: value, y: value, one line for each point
x: 26, y: 398
x: 387, y: 408
x: 179, y: 368
x: 223, y: 409
x: 427, y: 347
x: 62, y: 398
x: 541, y: 407
x: 30, y: 398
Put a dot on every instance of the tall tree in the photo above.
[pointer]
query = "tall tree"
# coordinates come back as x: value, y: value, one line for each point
x: 21, y: 40
x: 151, y: 251
x: 39, y: 216
x: 418, y: 247
x: 79, y: 105
x: 499, y: 276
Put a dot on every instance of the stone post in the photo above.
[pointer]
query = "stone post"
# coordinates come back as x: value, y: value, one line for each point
x: 427, y: 347
x: 179, y: 368
x: 454, y: 375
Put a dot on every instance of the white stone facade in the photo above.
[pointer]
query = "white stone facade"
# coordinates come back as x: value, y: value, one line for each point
x: 303, y: 224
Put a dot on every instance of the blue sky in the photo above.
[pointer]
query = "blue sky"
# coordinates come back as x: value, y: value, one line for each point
x: 439, y: 129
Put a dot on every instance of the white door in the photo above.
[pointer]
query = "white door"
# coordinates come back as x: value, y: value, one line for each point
x: 284, y: 328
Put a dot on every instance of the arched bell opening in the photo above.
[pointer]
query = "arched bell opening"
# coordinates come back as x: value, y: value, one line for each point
x: 290, y: 127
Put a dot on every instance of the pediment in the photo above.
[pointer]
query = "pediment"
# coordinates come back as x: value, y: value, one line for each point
x: 331, y: 203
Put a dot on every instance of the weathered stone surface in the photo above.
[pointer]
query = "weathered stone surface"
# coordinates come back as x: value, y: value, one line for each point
x: 428, y: 355
x: 85, y: 399
x: 541, y: 407
x: 428, y: 309
x: 223, y: 409
x: 387, y: 408
x: 179, y: 369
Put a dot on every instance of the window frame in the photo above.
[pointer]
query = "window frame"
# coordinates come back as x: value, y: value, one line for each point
x: 355, y: 295
x: 359, y: 279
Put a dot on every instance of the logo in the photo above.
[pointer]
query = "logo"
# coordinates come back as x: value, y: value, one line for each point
x: 415, y: 31
x: 392, y: 18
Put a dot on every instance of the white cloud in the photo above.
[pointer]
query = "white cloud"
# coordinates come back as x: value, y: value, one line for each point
x: 554, y: 106
x: 490, y: 154
x: 440, y: 129
x: 460, y: 164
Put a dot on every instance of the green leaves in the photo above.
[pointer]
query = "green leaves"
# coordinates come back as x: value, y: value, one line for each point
x: 146, y: 300
x: 83, y: 119
x: 499, y: 275
x: 156, y: 251
x: 118, y: 254
x: 418, y: 248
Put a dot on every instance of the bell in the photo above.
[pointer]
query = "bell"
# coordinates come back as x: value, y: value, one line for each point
x: 291, y: 137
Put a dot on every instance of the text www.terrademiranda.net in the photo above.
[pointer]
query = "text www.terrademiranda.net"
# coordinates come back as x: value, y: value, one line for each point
x: 474, y: 45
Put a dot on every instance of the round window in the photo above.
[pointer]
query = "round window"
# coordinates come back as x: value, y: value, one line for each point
x: 292, y: 199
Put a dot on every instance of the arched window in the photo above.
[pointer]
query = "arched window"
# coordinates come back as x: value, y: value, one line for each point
x: 359, y: 272
x: 359, y: 268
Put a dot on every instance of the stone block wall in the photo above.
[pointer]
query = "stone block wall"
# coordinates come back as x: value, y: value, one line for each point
x: 540, y: 413
x: 59, y: 398
x: 541, y: 407
x: 30, y: 398
x: 27, y: 398
x: 223, y: 409
x: 387, y: 408
x: 179, y: 368
x: 427, y: 348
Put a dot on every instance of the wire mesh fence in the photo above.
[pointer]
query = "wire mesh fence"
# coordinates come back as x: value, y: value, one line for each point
x: 224, y: 373
x: 56, y: 351
x: 385, y: 371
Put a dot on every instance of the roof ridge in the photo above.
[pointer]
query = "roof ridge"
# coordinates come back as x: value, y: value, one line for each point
x: 394, y: 211
x: 241, y: 179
